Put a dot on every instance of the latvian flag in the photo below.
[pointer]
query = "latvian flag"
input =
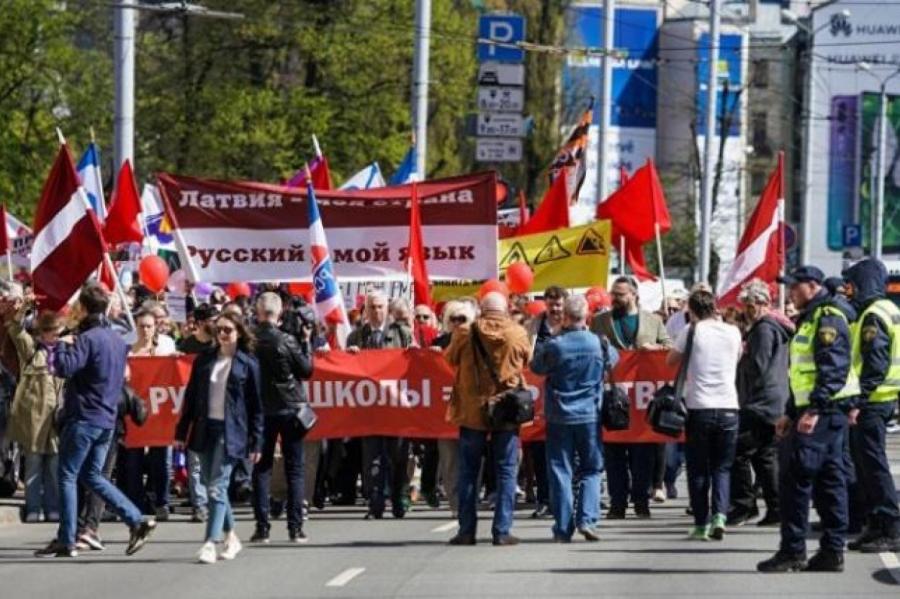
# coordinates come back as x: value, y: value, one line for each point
x: 329, y: 301
x: 68, y: 246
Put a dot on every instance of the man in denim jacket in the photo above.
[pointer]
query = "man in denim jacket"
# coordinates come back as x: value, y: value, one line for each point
x: 574, y: 363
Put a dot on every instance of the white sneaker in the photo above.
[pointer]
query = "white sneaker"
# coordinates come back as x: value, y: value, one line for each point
x: 207, y: 553
x: 232, y: 546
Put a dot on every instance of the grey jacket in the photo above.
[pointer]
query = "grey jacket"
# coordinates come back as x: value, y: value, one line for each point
x: 762, y: 376
x: 650, y: 330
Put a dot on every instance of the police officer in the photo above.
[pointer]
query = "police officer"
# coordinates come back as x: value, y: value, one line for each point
x: 821, y: 381
x: 876, y: 360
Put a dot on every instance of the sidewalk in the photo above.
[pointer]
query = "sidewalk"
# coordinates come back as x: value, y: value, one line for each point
x: 10, y: 510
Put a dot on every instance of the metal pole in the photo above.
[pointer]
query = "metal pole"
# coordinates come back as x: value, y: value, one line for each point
x: 123, y: 147
x: 708, y: 152
x: 878, y: 208
x: 609, y: 9
x: 420, y: 83
x: 806, y: 205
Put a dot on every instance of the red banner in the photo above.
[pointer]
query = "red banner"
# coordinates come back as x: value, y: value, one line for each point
x: 385, y: 392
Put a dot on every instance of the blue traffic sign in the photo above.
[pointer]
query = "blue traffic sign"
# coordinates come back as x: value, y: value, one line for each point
x: 852, y: 236
x: 506, y: 28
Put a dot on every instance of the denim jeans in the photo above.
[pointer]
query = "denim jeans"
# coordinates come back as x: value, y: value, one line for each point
x: 505, y: 457
x: 82, y: 454
x: 674, y: 462
x: 711, y: 439
x: 159, y: 475
x: 195, y: 485
x: 215, y: 474
x: 867, y: 443
x: 629, y: 469
x: 291, y: 432
x: 91, y: 506
x: 41, y: 492
x: 566, y: 443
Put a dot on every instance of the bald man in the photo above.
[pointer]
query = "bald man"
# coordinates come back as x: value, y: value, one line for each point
x: 504, y: 344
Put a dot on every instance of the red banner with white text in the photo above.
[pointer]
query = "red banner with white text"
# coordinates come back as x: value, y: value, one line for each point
x: 385, y: 392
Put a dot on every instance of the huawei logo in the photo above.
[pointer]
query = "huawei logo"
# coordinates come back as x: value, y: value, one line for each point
x: 840, y: 23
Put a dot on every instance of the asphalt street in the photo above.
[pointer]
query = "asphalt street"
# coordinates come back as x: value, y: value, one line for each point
x: 349, y: 557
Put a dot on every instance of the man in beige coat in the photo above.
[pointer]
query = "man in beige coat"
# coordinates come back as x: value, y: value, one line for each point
x: 506, y: 346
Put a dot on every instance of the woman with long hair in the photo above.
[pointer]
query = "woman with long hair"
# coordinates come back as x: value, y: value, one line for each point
x: 222, y: 420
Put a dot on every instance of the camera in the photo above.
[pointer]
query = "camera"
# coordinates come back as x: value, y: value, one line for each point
x: 298, y: 318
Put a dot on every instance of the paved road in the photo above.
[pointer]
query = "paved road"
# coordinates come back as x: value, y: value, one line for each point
x: 349, y: 557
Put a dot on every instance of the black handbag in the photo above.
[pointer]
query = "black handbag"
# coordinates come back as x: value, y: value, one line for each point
x: 615, y: 409
x: 510, y: 408
x: 666, y: 412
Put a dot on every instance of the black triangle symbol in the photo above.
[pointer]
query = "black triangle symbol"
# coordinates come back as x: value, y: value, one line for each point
x: 552, y: 250
x: 515, y: 254
x: 591, y: 243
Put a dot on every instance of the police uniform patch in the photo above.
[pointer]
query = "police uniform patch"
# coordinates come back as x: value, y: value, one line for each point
x: 827, y: 335
x: 869, y: 333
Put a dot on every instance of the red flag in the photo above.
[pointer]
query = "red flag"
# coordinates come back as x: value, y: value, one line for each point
x: 319, y: 174
x: 552, y: 213
x: 760, y: 253
x: 637, y: 206
x: 122, y: 220
x: 68, y: 244
x: 4, y: 231
x: 415, y: 253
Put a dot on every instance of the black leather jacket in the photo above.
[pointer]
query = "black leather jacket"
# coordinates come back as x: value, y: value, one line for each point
x: 282, y: 364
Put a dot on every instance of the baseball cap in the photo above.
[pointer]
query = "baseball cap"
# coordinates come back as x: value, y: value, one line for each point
x: 205, y: 312
x: 803, y: 274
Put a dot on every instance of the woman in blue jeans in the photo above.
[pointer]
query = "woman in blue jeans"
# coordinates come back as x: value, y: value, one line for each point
x: 709, y: 351
x: 222, y: 420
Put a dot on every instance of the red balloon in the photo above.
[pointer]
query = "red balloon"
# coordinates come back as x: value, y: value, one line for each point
x: 519, y: 277
x: 299, y: 289
x: 154, y: 273
x: 535, y: 308
x: 491, y: 286
x: 597, y: 298
x: 235, y: 290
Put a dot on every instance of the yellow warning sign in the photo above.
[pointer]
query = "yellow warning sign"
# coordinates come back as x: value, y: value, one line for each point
x: 552, y: 250
x: 591, y: 243
x: 516, y: 253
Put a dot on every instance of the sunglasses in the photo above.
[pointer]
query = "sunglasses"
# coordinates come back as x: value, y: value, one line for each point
x: 226, y: 330
x: 458, y: 319
x: 423, y: 316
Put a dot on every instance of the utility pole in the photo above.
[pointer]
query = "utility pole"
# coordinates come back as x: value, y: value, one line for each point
x: 420, y: 83
x: 878, y: 209
x: 123, y: 123
x: 609, y: 8
x: 706, y: 183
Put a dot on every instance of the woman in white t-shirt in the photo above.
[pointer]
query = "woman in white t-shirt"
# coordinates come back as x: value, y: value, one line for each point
x: 710, y: 395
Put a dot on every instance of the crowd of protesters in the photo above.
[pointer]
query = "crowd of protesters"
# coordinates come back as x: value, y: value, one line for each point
x: 64, y: 395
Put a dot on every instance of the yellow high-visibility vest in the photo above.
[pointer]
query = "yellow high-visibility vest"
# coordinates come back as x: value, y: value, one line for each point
x: 803, y: 360
x: 888, y: 313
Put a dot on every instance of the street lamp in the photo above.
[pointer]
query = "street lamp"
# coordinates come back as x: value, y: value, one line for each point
x: 878, y: 208
x: 806, y: 205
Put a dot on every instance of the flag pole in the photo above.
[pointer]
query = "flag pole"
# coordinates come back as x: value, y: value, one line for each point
x: 9, y: 264
x: 315, y: 141
x: 409, y: 263
x: 621, y: 255
x: 93, y: 137
x: 662, y: 267
x: 782, y: 300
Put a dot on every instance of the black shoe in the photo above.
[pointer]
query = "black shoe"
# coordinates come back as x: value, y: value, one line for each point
x: 615, y: 513
x: 462, y: 539
x: 542, y: 511
x: 505, y: 540
x: 398, y: 512
x: 868, y: 535
x: 642, y: 512
x: 880, y: 545
x: 370, y: 515
x: 140, y: 534
x: 737, y: 519
x: 433, y: 500
x: 297, y: 536
x: 589, y: 533
x: 260, y: 535
x: 783, y: 562
x: 770, y: 519
x: 561, y: 539
x: 825, y: 561
x: 56, y: 549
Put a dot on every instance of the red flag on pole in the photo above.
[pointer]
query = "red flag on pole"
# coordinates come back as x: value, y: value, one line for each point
x: 524, y: 215
x: 553, y: 212
x: 637, y: 206
x: 760, y: 253
x: 68, y: 245
x: 415, y: 253
x: 122, y: 220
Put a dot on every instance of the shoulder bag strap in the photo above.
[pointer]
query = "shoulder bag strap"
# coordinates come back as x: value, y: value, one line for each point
x: 482, y: 353
x: 685, y: 362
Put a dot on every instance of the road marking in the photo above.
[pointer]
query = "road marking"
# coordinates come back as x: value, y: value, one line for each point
x: 345, y: 577
x: 445, y: 527
x: 891, y: 562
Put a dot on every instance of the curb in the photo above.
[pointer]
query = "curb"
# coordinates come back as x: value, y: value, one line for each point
x: 9, y: 515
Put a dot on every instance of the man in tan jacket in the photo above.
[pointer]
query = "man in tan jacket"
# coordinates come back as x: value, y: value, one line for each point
x: 508, y: 349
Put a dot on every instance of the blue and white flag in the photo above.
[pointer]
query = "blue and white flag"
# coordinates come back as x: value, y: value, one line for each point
x: 329, y: 300
x: 157, y: 234
x: 91, y: 180
x: 368, y: 178
x: 406, y: 172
